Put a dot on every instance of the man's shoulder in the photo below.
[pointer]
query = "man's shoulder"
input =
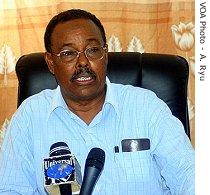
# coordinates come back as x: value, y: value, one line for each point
x: 132, y: 91
x: 43, y: 98
x: 34, y: 107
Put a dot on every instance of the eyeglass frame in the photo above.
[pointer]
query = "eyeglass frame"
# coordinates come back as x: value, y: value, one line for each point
x: 105, y: 48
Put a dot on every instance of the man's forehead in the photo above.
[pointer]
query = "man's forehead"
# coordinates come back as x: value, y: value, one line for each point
x: 77, y: 24
x: 75, y: 29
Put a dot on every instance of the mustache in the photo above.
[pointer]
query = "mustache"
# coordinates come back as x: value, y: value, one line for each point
x: 83, y: 71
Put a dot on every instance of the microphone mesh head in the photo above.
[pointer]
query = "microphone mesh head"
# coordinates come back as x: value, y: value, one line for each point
x: 95, y: 158
x: 59, y: 148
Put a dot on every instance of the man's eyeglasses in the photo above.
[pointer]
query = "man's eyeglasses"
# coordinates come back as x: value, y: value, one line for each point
x: 91, y: 53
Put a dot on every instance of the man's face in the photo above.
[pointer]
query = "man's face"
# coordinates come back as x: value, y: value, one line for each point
x: 80, y: 79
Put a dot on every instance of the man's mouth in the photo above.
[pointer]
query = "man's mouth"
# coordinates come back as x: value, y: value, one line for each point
x: 81, y: 79
x: 84, y: 76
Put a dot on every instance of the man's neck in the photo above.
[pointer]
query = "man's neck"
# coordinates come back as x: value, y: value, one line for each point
x: 87, y: 109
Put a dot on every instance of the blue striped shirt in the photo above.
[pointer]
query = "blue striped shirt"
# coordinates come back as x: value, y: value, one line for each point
x: 127, y: 113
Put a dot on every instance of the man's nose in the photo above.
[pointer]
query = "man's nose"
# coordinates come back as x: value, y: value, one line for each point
x: 82, y: 60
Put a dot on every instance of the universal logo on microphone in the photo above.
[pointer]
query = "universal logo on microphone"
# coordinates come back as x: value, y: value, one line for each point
x: 58, y: 169
x: 61, y: 170
x: 48, y: 163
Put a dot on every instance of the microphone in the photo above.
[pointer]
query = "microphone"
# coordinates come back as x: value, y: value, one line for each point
x: 62, y: 171
x: 93, y: 168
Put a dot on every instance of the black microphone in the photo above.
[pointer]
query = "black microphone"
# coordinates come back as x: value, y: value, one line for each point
x: 62, y: 171
x: 93, y: 168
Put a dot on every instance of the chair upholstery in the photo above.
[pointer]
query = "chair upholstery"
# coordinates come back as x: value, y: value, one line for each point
x: 166, y: 75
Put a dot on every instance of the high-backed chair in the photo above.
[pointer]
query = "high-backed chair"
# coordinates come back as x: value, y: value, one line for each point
x: 166, y: 75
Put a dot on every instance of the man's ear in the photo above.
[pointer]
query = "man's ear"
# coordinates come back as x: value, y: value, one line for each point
x: 49, y: 61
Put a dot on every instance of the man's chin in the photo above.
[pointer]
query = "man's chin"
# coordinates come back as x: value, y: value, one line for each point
x: 88, y: 95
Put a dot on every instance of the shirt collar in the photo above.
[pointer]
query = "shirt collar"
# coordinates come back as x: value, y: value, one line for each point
x: 110, y: 98
x: 57, y: 101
